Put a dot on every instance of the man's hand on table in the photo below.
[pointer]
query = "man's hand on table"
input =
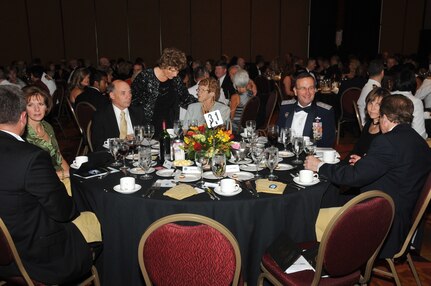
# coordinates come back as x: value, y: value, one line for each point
x: 312, y: 163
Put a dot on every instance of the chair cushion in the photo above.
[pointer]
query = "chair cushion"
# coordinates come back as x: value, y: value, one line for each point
x: 305, y: 277
x: 189, y: 255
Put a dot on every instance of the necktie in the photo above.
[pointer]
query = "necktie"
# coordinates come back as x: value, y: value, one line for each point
x: 299, y: 108
x: 123, y: 125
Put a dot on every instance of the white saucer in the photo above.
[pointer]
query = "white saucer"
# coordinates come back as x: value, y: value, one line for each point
x: 73, y: 166
x: 209, y: 176
x: 285, y: 154
x: 186, y: 178
x: 240, y: 162
x: 165, y: 173
x: 241, y: 176
x: 250, y: 167
x: 283, y: 167
x: 219, y: 192
x: 335, y: 161
x: 315, y: 181
x: 118, y: 189
x: 139, y: 171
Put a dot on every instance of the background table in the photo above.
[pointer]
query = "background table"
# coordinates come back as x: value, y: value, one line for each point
x: 255, y: 222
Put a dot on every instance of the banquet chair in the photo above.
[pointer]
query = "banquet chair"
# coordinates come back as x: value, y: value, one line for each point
x: 351, y: 241
x: 250, y: 110
x: 88, y: 133
x: 418, y: 212
x: 84, y: 114
x: 263, y: 85
x: 71, y: 111
x: 271, y: 106
x: 56, y: 112
x: 358, y: 116
x: 347, y: 115
x: 9, y: 254
x: 204, y: 253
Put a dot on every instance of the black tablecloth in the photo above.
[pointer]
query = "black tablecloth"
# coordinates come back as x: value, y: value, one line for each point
x: 255, y: 222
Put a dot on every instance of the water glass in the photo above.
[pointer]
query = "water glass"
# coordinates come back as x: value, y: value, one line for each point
x: 287, y: 136
x: 218, y: 165
x: 271, y: 156
x: 145, y: 162
x: 178, y: 128
x: 257, y: 152
x: 148, y: 132
x: 114, y: 146
x: 139, y: 134
x: 298, y: 146
x: 201, y: 160
x: 250, y: 128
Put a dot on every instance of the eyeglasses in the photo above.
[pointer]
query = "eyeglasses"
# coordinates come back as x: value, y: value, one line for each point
x: 303, y: 88
x: 201, y: 89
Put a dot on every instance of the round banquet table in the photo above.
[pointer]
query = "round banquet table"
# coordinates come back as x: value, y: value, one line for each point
x: 255, y: 222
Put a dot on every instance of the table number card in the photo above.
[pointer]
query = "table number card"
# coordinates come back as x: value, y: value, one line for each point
x: 213, y: 119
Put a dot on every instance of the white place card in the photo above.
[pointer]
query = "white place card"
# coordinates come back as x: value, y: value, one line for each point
x: 167, y: 164
x: 232, y: 168
x: 191, y: 170
x: 213, y: 119
x: 166, y: 183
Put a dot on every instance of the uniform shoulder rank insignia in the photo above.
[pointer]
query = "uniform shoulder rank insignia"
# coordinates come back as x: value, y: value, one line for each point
x: 324, y: 105
x: 290, y: 101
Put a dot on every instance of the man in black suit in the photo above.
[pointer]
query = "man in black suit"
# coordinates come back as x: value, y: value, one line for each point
x: 107, y: 122
x: 224, y: 79
x: 94, y: 93
x: 303, y: 115
x: 397, y: 163
x: 34, y: 203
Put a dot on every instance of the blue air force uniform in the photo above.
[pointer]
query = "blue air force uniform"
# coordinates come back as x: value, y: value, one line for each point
x: 317, y: 109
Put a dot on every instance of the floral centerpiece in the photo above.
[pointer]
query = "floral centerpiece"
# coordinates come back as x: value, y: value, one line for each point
x: 211, y: 140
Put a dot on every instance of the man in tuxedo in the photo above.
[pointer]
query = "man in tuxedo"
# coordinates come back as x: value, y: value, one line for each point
x: 397, y: 163
x: 225, y: 81
x: 94, y: 93
x: 115, y: 120
x: 299, y: 115
x: 35, y: 205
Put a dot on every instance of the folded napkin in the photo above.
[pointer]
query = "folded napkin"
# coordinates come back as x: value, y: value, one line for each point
x: 270, y: 187
x: 180, y: 192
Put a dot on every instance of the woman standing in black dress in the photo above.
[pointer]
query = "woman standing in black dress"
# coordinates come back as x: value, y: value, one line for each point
x: 160, y: 91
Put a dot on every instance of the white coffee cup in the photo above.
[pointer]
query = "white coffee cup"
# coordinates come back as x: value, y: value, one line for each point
x: 329, y: 156
x: 307, y: 176
x: 79, y: 160
x: 228, y: 186
x: 127, y: 183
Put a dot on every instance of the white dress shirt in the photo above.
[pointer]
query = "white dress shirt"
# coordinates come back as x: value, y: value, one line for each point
x: 424, y: 92
x: 117, y: 112
x: 365, y: 91
x: 298, y: 121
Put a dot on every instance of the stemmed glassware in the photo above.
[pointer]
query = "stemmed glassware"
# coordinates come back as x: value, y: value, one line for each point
x: 287, y: 136
x: 250, y: 128
x: 133, y: 143
x: 201, y: 160
x: 123, y: 151
x: 272, y: 134
x: 114, y: 145
x: 148, y: 132
x: 298, y: 146
x: 218, y: 165
x: 271, y: 156
x: 257, y: 152
x: 145, y: 162
x: 139, y: 134
x: 310, y: 148
x: 178, y: 128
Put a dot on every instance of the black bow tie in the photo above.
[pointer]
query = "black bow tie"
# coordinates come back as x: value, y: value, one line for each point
x: 299, y: 108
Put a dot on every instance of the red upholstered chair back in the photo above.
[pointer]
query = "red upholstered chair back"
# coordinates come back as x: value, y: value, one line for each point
x: 203, y: 254
x: 349, y: 95
x: 355, y: 235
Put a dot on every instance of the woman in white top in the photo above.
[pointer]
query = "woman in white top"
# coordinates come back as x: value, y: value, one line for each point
x: 208, y: 94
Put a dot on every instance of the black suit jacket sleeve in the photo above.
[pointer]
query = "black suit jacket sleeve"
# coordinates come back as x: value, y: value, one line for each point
x: 43, y: 182
x: 367, y: 170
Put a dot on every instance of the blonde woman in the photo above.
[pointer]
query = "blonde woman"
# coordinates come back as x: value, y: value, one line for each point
x: 80, y: 79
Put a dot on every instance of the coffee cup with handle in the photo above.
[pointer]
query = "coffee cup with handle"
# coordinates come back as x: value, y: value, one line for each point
x: 329, y: 156
x: 307, y: 176
x: 228, y: 186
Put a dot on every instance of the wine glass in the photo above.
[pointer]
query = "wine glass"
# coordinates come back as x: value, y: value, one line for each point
x: 139, y: 134
x: 250, y: 128
x: 287, y: 138
x: 298, y: 145
x: 148, y: 132
x: 271, y: 156
x: 145, y: 162
x: 133, y: 143
x: 193, y: 123
x: 123, y: 150
x: 177, y: 128
x: 257, y: 151
x: 218, y: 165
x: 272, y: 134
x: 201, y: 160
x: 114, y: 145
x: 310, y: 148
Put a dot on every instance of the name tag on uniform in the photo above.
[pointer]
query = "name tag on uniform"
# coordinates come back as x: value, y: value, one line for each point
x: 213, y: 119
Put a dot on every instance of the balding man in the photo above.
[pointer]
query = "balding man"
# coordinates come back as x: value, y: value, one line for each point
x: 115, y: 120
